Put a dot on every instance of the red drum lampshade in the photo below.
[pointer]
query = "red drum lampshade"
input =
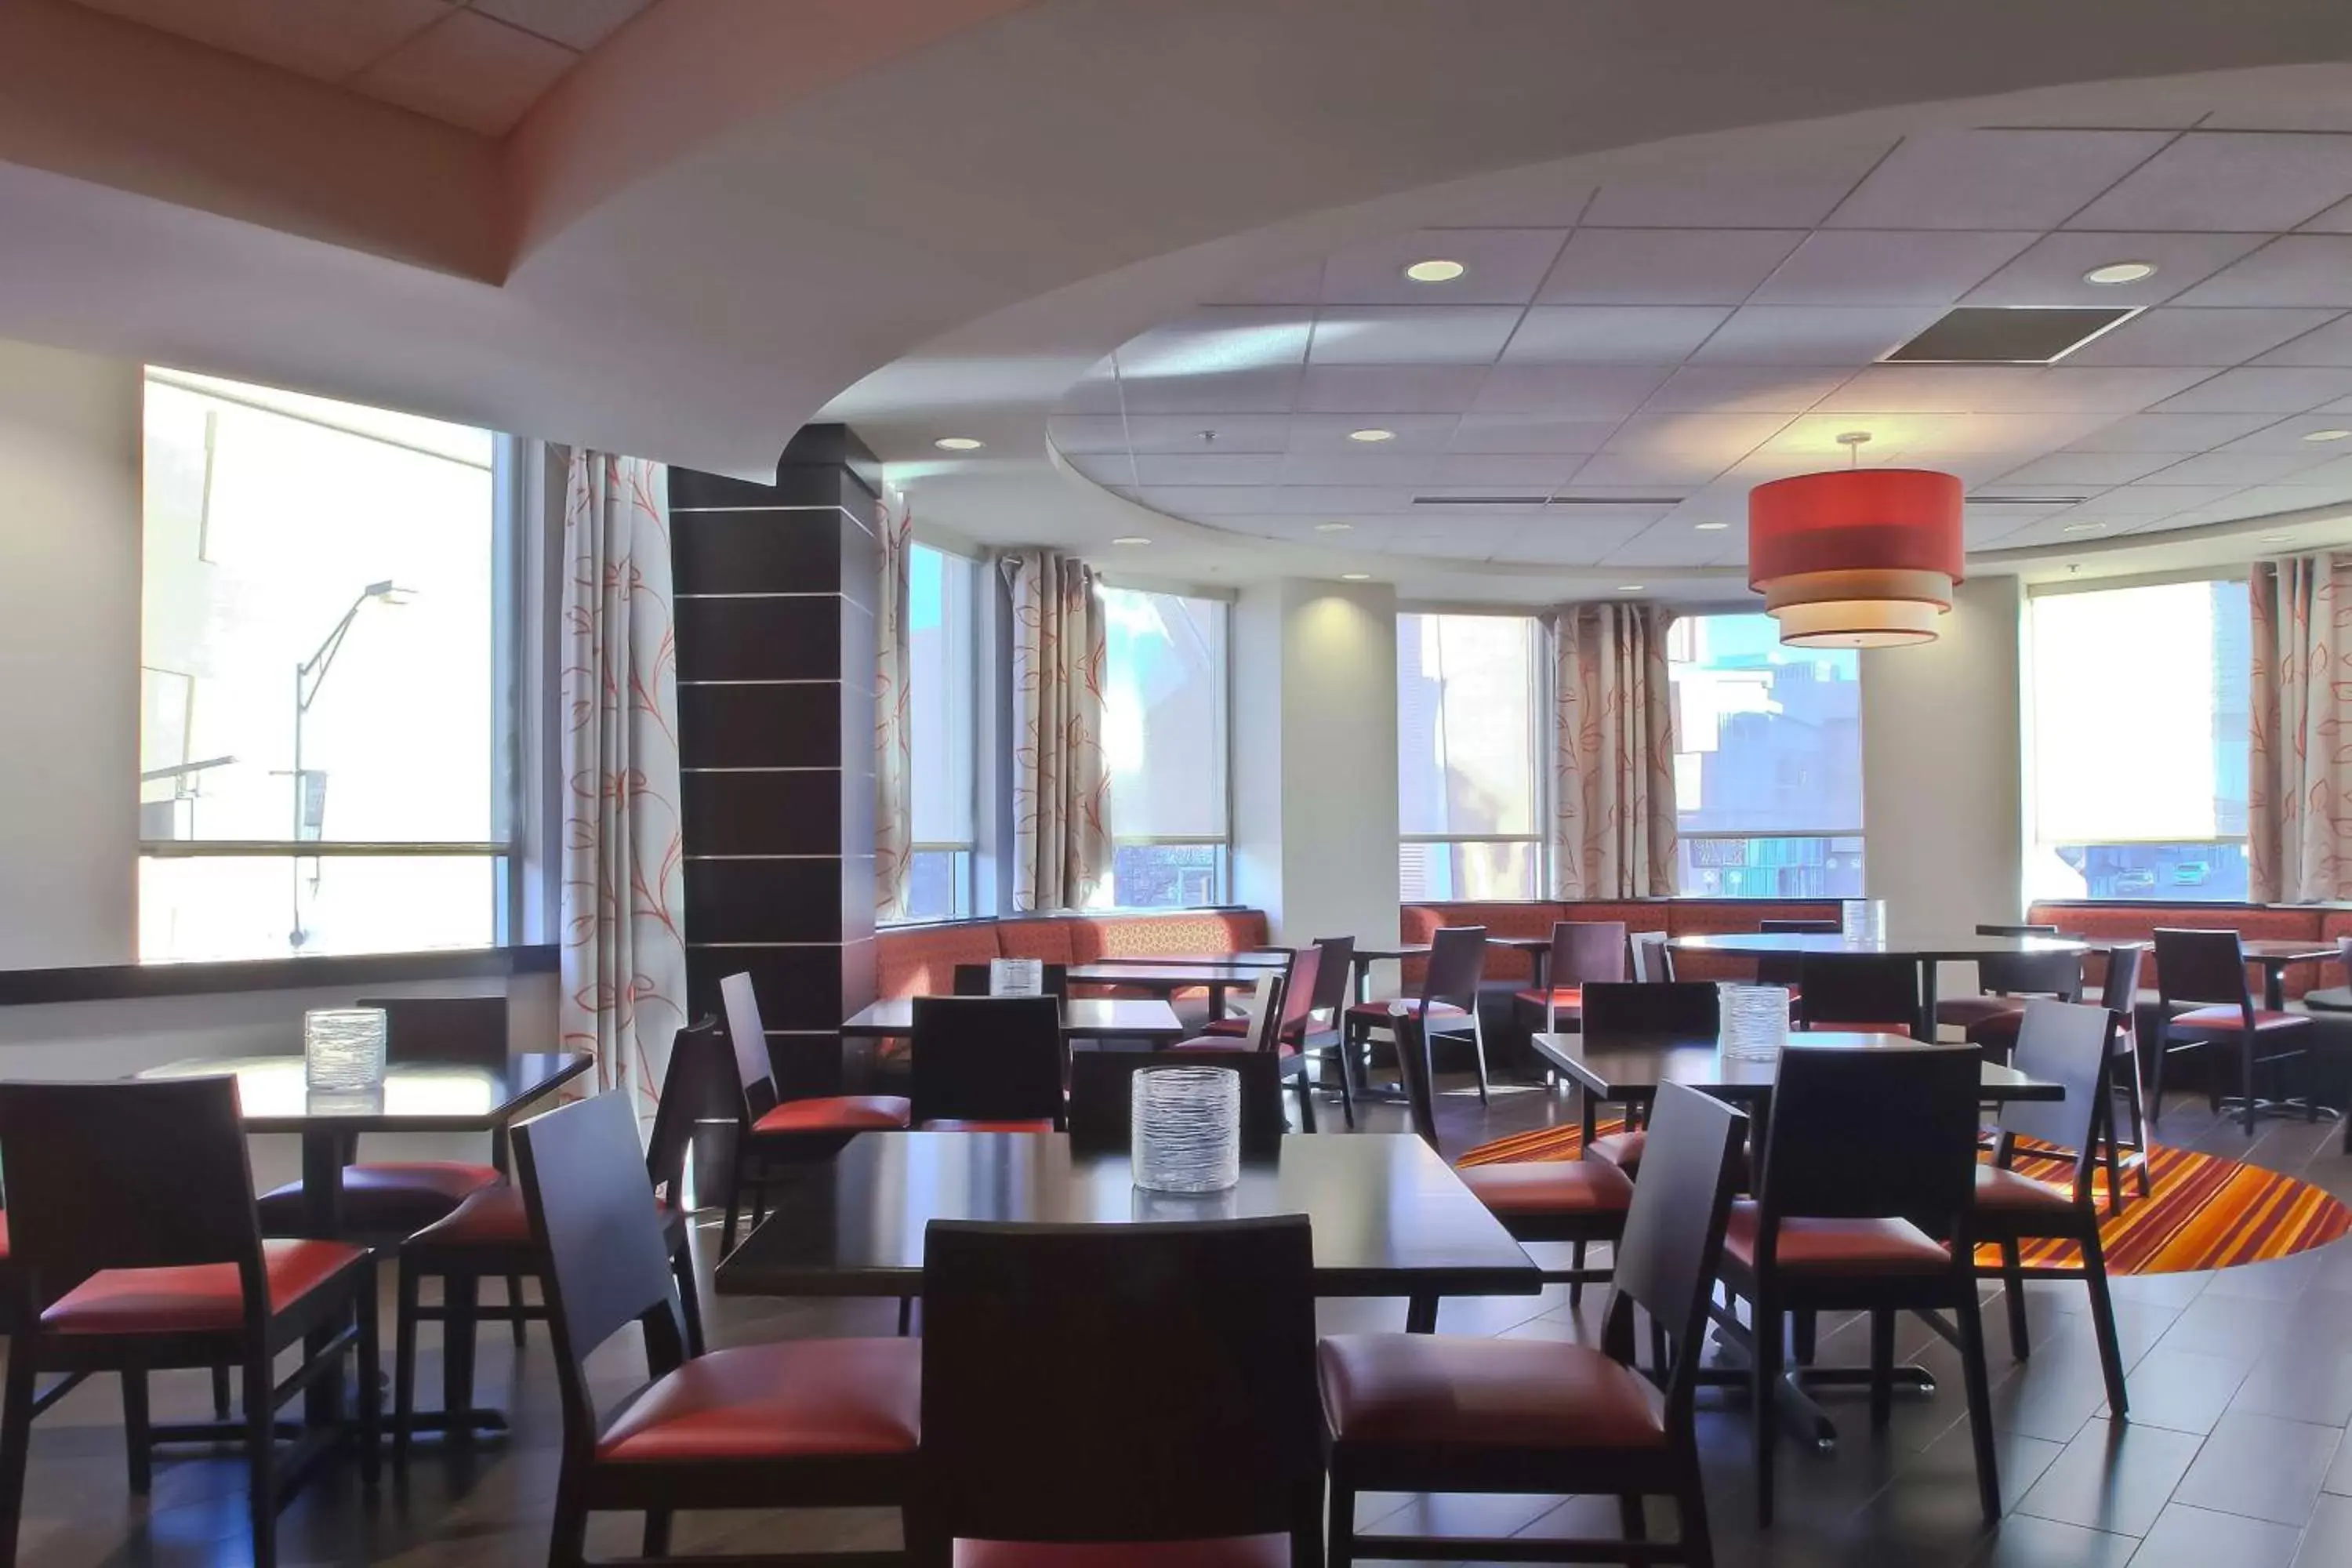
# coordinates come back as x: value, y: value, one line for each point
x: 1855, y: 557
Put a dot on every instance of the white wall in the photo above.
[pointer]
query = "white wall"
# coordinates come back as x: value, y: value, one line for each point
x: 70, y: 456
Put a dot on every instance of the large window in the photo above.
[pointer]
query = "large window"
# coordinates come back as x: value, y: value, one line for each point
x: 940, y: 693
x: 2136, y: 712
x: 1767, y: 762
x: 1164, y: 739
x: 324, y: 750
x: 1469, y: 727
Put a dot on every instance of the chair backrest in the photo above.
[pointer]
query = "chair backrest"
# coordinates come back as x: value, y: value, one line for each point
x: 1335, y: 965
x: 599, y: 1241
x: 2058, y: 974
x: 1457, y: 962
x: 693, y: 1052
x: 1120, y: 1383
x: 973, y: 980
x: 1652, y: 961
x: 1611, y: 1013
x: 1874, y: 988
x: 1585, y: 950
x: 1101, y: 1097
x: 1299, y: 978
x: 1873, y: 1133
x: 987, y: 1059
x: 2201, y: 966
x: 470, y: 1029
x: 127, y: 1175
x: 1665, y: 1262
x: 1413, y: 1073
x: 2065, y: 1044
x: 755, y: 1070
x: 2120, y: 992
x: 2344, y: 957
x: 1269, y: 1011
x: 1787, y: 968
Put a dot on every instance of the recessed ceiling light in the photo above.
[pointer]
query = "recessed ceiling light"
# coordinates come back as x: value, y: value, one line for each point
x: 1710, y: 527
x: 1355, y: 576
x: 2326, y: 434
x: 1333, y: 527
x: 1372, y: 435
x: 1130, y: 539
x: 958, y: 443
x: 1435, y: 271
x: 2120, y: 272
x: 1629, y: 587
x: 2084, y: 528
x: 2273, y: 539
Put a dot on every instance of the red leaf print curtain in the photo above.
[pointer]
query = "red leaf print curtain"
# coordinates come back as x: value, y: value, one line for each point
x: 1061, y: 786
x: 894, y: 762
x: 1612, y: 806
x: 2299, y: 800
x: 624, y: 954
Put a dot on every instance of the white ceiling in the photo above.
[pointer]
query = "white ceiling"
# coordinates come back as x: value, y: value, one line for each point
x: 1659, y: 345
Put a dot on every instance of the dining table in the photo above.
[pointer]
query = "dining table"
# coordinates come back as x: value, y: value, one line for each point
x: 1167, y: 976
x: 1926, y: 949
x: 1082, y: 1018
x: 1254, y: 958
x: 1389, y: 1218
x: 1360, y: 965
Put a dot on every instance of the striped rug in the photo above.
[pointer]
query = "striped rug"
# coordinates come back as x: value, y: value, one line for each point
x: 2202, y: 1211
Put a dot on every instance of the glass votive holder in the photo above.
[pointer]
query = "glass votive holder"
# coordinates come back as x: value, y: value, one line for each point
x: 342, y: 1049
x: 1186, y: 1129
x: 1754, y: 1021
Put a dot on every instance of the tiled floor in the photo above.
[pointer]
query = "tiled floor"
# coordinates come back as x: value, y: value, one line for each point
x: 2235, y: 1455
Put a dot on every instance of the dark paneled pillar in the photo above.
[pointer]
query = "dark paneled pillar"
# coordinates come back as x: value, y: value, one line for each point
x: 775, y: 588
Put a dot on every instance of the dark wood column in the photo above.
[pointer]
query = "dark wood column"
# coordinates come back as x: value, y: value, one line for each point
x: 775, y: 587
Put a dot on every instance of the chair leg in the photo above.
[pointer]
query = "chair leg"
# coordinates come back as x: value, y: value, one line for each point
x: 1804, y: 1335
x: 1764, y: 1333
x: 1478, y: 1049
x: 1690, y: 1510
x: 1882, y: 1367
x: 689, y: 1298
x: 15, y: 1437
x: 1305, y: 1102
x: 1347, y: 1076
x: 515, y: 1300
x: 2103, y: 1323
x: 734, y: 1209
x: 459, y: 1291
x: 138, y: 1443
x: 2246, y: 1084
x: 220, y: 1393
x: 370, y: 1358
x: 656, y: 1532
x: 1630, y: 1519
x: 404, y: 1362
x: 1340, y: 1549
x: 261, y: 1461
x: 1576, y: 1287
x: 2155, y: 1083
x: 1979, y: 1390
x: 2013, y: 1274
x: 906, y: 1316
x: 567, y: 1544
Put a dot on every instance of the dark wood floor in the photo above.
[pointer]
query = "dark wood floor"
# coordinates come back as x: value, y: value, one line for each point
x: 2235, y: 1456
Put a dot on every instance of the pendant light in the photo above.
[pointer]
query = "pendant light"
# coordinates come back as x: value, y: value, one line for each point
x: 1855, y: 557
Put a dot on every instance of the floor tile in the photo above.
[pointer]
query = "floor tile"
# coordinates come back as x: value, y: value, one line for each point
x: 2188, y: 1537
x: 2114, y: 1477
x: 2027, y: 1543
x: 2260, y: 1466
x: 2185, y: 1391
x: 2327, y: 1542
x: 2297, y: 1385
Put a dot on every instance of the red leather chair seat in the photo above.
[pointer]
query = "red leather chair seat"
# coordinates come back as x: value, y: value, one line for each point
x: 1378, y: 1011
x: 837, y: 1113
x: 495, y: 1217
x: 1622, y: 1150
x: 1292, y: 1032
x: 784, y: 1400
x: 203, y: 1298
x: 1550, y: 1187
x: 385, y: 1197
x: 1518, y: 1394
x: 962, y: 1124
x: 1838, y: 1246
x: 1964, y: 1011
x: 1227, y: 1044
x: 2230, y: 1020
x: 1564, y: 998
x: 1234, y: 1552
x: 1998, y: 1032
x: 2012, y: 1191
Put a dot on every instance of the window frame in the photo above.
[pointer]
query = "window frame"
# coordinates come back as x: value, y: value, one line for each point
x: 964, y: 873
x: 1221, y: 882
x: 1541, y: 719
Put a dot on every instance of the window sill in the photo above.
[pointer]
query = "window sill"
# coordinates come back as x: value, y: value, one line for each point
x: 124, y: 982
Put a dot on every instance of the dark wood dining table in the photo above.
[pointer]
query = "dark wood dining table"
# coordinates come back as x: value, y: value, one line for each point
x: 1258, y: 958
x: 1082, y: 1018
x: 1389, y: 1218
x: 1380, y: 953
x: 1167, y: 976
x: 2279, y: 954
x: 1927, y: 949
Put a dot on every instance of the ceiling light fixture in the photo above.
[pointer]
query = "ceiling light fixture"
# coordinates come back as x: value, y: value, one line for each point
x: 2120, y: 272
x: 2326, y: 434
x: 1355, y: 576
x: 958, y: 443
x: 1435, y: 271
x: 1710, y: 527
x: 1373, y: 435
x: 1333, y: 527
x: 1629, y: 587
x: 1130, y: 539
x: 1853, y: 559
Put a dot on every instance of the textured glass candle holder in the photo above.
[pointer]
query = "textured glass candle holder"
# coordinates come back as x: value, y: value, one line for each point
x: 1186, y: 1129
x: 342, y: 1049
x: 1863, y: 920
x: 1755, y: 1021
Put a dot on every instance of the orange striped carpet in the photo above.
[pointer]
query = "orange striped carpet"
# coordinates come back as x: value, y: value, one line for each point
x: 2202, y: 1211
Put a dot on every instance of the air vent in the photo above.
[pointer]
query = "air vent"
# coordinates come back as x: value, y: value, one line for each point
x: 1978, y: 334
x: 1451, y: 501
x: 2027, y: 500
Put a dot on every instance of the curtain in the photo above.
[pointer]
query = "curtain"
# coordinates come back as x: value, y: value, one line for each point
x: 623, y: 959
x: 894, y: 800
x: 1061, y: 785
x: 1612, y: 811
x: 2299, y: 794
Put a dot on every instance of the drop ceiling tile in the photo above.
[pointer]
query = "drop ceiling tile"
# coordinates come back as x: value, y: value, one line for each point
x: 1725, y: 437
x: 1406, y: 468
x: 1301, y: 285
x: 2103, y: 389
x: 1589, y: 542
x: 1612, y: 334
x: 1503, y: 267
x: 1086, y: 435
x: 1408, y: 334
x: 1856, y: 267
x: 2170, y: 432
x: 1270, y: 391
x: 1096, y: 392
x: 2268, y: 500
x: 1218, y: 340
x: 1211, y: 501
x: 1389, y: 388
x: 1572, y: 391
x: 1105, y: 468
x: 1806, y: 336
x: 2337, y: 472
x: 1745, y: 389
x: 2337, y: 219
x: 1519, y: 432
x: 1665, y: 265
x: 2330, y: 345
x: 326, y: 42
x: 577, y: 23
x: 1992, y: 179
x: 2287, y: 436
x: 1233, y: 433
x: 2101, y: 469
x: 2050, y: 272
x: 1797, y: 193
x: 1674, y: 470
x: 2186, y: 335
x: 1933, y: 388
x: 1156, y: 471
x: 2158, y: 500
x: 1340, y: 500
x: 2239, y: 468
x: 2292, y: 270
x: 1332, y: 435
x: 1537, y: 471
x: 469, y: 71
x: 2228, y: 182
x: 2260, y: 391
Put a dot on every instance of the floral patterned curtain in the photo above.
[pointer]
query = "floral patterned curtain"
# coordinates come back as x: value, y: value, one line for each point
x: 894, y: 800
x: 1612, y: 810
x: 2299, y: 800
x: 1061, y: 786
x: 623, y: 957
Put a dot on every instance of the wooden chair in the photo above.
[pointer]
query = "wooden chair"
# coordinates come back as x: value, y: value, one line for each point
x: 1101, y: 1091
x: 2201, y: 976
x: 489, y: 1234
x: 132, y: 1217
x: 1335, y: 968
x: 1653, y: 961
x: 2065, y: 1044
x: 1997, y: 1038
x: 1433, y: 1413
x: 1871, y: 992
x: 1868, y: 1190
x: 1280, y: 1017
x: 1092, y: 1387
x: 1448, y: 1003
x: 993, y: 1063
x: 796, y: 1424
x: 1674, y: 1008
x: 1582, y: 952
x: 1786, y: 968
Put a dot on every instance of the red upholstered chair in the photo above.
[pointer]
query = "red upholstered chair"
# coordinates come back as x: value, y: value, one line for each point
x: 1867, y: 1193
x: 1996, y: 1036
x: 2201, y: 976
x: 1448, y: 1004
x: 1870, y: 992
x: 1651, y: 961
x: 1335, y: 969
x: 987, y: 1064
x: 2005, y: 980
x: 489, y: 1234
x: 1278, y: 1022
x: 2064, y: 1044
x: 1434, y: 1413
x: 132, y: 1217
x: 1615, y: 1015
x: 1097, y: 1394
x: 1582, y: 952
x: 798, y: 1424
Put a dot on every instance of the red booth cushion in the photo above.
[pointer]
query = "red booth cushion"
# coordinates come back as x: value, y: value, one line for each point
x: 1519, y: 1394
x: 203, y: 1298
x: 783, y: 1400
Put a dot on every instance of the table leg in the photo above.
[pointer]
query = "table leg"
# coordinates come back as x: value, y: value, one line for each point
x: 1420, y: 1315
x: 322, y: 1217
x: 1926, y: 1027
x: 2274, y: 987
x: 1216, y: 999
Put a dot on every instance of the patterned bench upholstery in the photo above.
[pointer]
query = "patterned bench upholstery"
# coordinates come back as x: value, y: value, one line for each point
x: 2137, y: 922
x: 915, y: 961
x: 1676, y: 917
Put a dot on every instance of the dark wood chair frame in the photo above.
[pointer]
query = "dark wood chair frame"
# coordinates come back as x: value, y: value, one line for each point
x: 1101, y: 1116
x: 1285, y: 1013
x: 1786, y: 968
x: 988, y: 1058
x: 1335, y: 969
x: 1583, y: 951
x: 2208, y: 968
x: 755, y: 1154
x: 1457, y: 961
x: 1857, y: 990
x: 1643, y: 1007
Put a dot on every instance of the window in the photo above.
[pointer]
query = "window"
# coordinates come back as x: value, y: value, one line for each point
x: 940, y: 695
x: 1164, y: 740
x: 324, y: 735
x: 1767, y: 762
x: 1469, y: 722
x: 2138, y: 702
